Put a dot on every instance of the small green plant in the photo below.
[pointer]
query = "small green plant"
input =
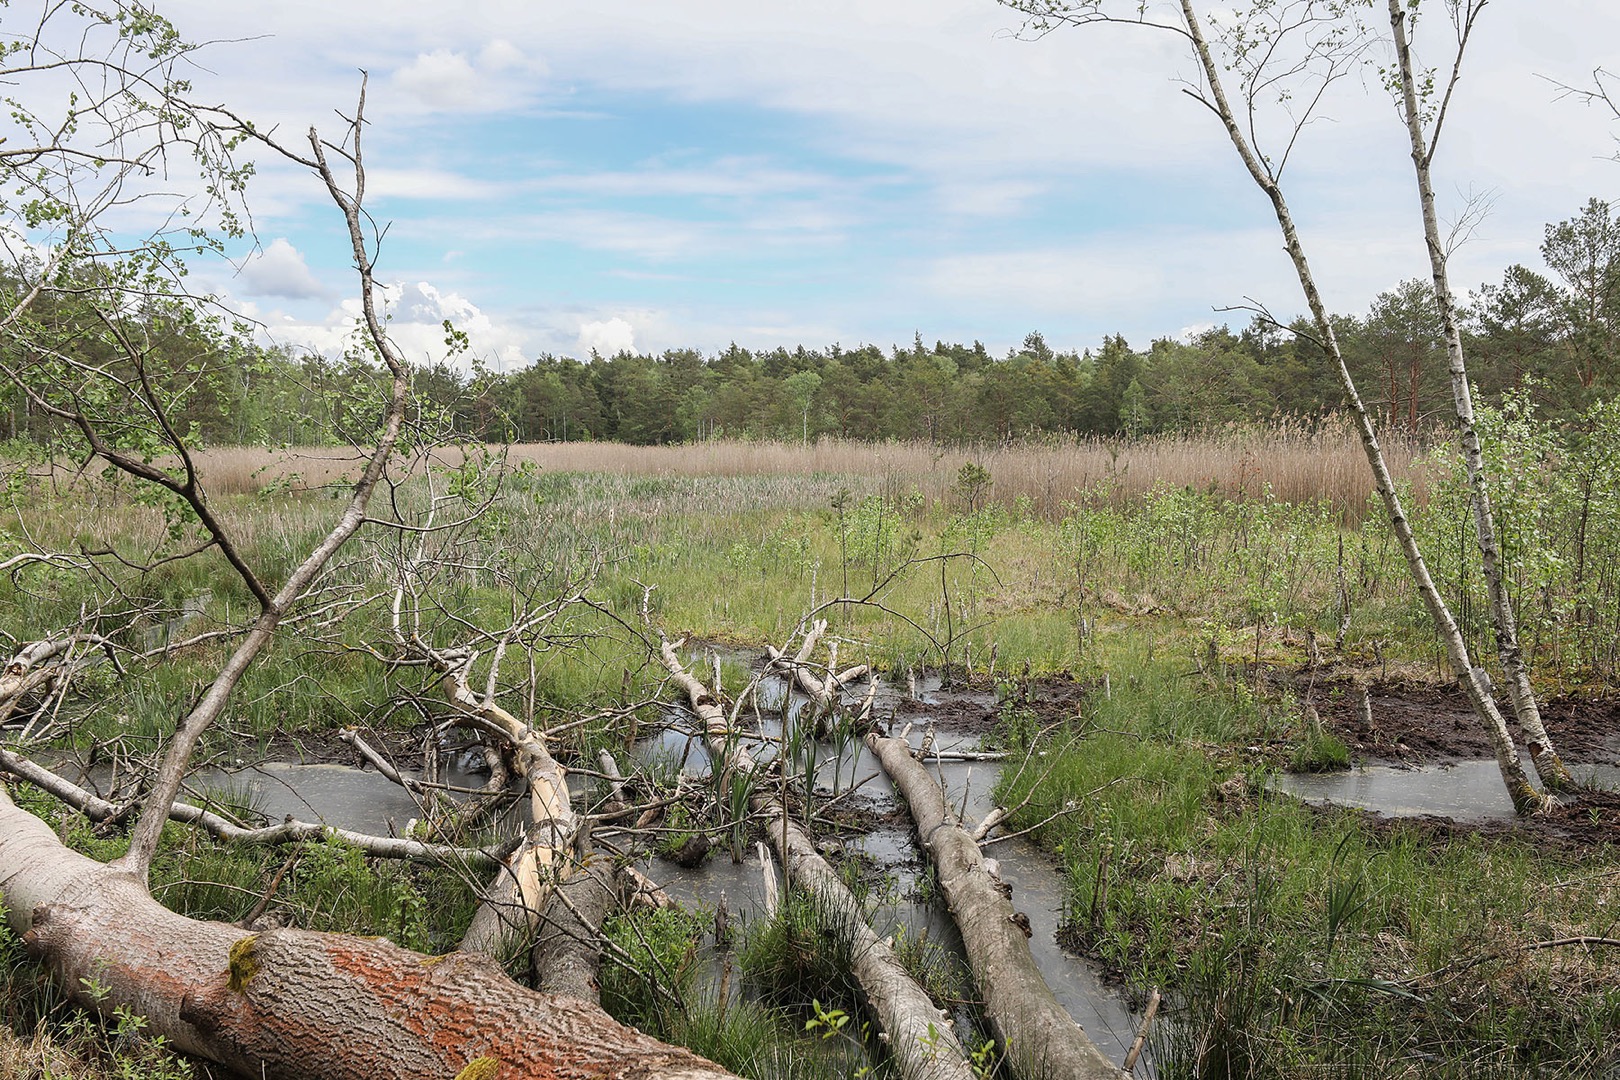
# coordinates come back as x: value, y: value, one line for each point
x: 826, y: 1022
x: 1322, y: 751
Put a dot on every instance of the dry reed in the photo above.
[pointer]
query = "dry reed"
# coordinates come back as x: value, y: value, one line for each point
x: 1295, y: 463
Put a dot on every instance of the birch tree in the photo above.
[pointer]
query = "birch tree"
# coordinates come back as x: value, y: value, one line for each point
x: 1264, y: 74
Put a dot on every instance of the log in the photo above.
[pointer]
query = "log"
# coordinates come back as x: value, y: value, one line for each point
x: 1039, y: 1037
x: 298, y: 1004
x: 919, y: 1034
x: 824, y: 692
x: 567, y: 957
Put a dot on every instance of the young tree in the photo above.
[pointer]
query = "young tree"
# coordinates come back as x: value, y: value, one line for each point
x: 1283, y: 58
x: 1425, y: 122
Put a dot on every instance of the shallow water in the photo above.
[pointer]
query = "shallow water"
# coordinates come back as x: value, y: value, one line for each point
x: 1466, y: 790
x: 365, y: 801
x: 362, y: 800
x: 1040, y: 889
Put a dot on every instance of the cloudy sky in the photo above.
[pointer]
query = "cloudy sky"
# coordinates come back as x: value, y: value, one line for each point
x: 562, y: 175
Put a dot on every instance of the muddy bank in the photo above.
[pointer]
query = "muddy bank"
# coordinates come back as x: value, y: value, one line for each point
x: 1429, y: 724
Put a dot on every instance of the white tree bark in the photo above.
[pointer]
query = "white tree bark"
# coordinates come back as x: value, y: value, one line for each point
x: 1038, y: 1035
x: 919, y: 1034
x: 1517, y: 673
x: 1523, y: 793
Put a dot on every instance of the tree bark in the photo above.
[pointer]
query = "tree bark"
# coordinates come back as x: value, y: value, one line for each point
x: 1037, y: 1034
x: 1470, y: 679
x: 1505, y: 626
x: 297, y: 1004
x: 824, y: 692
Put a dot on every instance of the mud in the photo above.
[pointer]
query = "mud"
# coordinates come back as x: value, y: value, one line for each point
x: 1432, y: 724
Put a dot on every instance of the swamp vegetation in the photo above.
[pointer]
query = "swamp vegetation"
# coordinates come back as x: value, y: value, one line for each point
x: 1208, y: 641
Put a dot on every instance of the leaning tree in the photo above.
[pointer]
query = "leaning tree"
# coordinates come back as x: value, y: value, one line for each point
x: 1264, y: 74
x: 105, y: 345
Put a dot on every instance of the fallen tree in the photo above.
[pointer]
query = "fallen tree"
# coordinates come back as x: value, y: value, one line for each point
x: 294, y: 1003
x: 285, y: 1002
x: 1037, y: 1034
x: 918, y: 1033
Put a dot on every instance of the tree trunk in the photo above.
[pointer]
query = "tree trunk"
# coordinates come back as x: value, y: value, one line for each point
x: 824, y: 692
x: 1517, y: 673
x: 919, y: 1034
x: 1470, y: 679
x: 297, y: 1004
x: 1037, y: 1034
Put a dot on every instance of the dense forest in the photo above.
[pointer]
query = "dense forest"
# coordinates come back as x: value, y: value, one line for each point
x: 1550, y: 335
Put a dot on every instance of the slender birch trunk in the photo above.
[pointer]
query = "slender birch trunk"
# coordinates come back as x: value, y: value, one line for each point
x: 1525, y: 710
x: 1526, y: 798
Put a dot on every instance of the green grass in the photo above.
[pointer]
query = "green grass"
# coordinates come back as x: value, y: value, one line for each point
x: 1295, y: 941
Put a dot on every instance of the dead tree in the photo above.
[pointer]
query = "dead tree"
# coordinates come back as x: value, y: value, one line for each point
x: 286, y: 1003
x: 918, y: 1033
x: 1036, y: 1033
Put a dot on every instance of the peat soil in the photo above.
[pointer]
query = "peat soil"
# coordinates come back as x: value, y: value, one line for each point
x: 1426, y: 724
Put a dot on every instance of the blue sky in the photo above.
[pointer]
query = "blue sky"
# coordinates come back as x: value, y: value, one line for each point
x: 559, y: 175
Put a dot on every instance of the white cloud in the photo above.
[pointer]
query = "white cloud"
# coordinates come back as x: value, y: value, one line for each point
x: 416, y: 313
x: 494, y: 79
x: 279, y: 270
x: 431, y: 184
x: 608, y: 337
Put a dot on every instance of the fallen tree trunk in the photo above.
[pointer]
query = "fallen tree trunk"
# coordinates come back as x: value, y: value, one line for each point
x: 298, y: 1004
x: 824, y: 692
x: 919, y: 1034
x: 1037, y: 1034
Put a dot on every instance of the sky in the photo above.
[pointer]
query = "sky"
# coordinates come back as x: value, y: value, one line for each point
x: 558, y: 176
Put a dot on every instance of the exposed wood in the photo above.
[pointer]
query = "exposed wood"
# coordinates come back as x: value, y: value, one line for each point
x: 920, y: 1035
x: 1039, y: 1036
x: 1142, y: 1031
x: 296, y: 1004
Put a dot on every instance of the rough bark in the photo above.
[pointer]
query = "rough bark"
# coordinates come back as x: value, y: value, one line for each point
x: 1503, y: 622
x: 1037, y: 1033
x: 567, y: 955
x: 297, y: 1004
x: 919, y: 1034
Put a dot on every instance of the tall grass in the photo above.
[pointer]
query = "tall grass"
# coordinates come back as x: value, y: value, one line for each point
x: 1296, y: 462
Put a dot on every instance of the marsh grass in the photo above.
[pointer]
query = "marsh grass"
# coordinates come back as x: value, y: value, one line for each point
x: 1295, y: 941
x: 1297, y: 461
x: 750, y: 1036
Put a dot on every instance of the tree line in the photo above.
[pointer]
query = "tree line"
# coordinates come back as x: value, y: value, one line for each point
x: 1549, y: 337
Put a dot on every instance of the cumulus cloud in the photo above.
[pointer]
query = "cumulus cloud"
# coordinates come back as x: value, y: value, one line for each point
x: 607, y: 336
x: 488, y: 80
x: 279, y: 270
x: 416, y: 315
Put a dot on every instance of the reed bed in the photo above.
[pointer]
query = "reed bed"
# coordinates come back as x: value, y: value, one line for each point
x: 1293, y: 463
